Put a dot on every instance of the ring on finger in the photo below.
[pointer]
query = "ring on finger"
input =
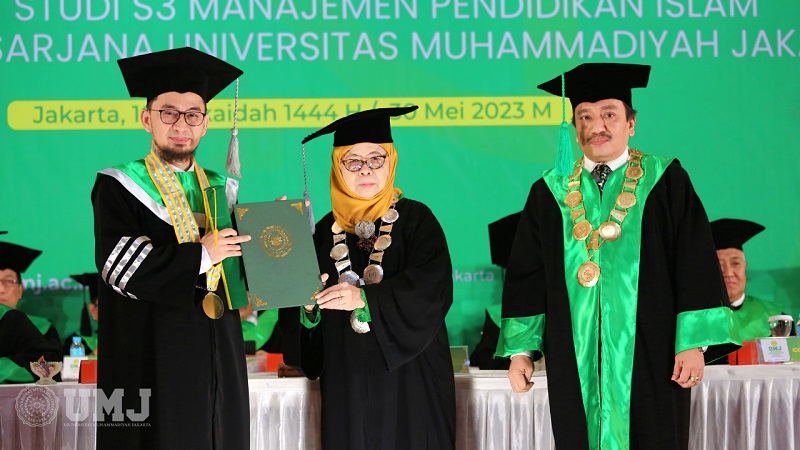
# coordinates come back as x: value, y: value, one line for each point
x: 694, y: 379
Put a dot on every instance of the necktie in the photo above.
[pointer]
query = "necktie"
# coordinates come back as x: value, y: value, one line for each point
x: 600, y: 174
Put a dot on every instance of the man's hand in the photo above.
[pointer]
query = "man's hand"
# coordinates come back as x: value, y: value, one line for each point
x: 228, y: 241
x: 520, y: 372
x: 689, y: 368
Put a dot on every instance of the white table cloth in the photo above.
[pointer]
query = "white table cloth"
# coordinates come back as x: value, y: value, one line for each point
x: 735, y: 407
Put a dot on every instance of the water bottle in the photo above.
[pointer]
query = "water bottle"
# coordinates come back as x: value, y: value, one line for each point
x: 77, y: 348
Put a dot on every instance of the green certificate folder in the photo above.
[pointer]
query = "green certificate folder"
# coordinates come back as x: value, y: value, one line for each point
x: 280, y: 262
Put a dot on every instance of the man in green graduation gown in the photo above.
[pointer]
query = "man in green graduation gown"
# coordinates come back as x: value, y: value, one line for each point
x: 613, y: 277
x: 14, y: 260
x: 170, y: 277
x: 751, y: 313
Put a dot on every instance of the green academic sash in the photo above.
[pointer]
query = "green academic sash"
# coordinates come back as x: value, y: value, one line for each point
x: 606, y: 312
x: 91, y: 342
x: 751, y: 318
x: 136, y: 171
x: 41, y: 324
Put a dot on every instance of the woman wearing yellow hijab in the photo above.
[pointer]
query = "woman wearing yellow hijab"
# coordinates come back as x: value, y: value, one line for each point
x: 377, y: 337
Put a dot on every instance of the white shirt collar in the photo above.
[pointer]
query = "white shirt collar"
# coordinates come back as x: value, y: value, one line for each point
x: 739, y: 302
x: 615, y: 164
x: 178, y: 169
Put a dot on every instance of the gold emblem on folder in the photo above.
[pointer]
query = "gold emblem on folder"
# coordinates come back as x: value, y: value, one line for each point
x: 242, y: 212
x: 276, y: 241
x: 298, y: 206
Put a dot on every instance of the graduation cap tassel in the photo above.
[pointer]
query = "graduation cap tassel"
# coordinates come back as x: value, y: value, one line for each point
x: 564, y: 158
x: 306, y: 197
x: 233, y: 166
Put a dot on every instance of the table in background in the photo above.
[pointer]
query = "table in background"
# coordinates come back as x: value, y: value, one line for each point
x: 747, y: 407
x: 735, y: 407
x: 62, y: 432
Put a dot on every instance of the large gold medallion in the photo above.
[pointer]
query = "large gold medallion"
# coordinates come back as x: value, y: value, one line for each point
x: 634, y: 172
x: 626, y: 200
x: 573, y: 199
x: 588, y: 274
x: 581, y: 230
x: 610, y: 230
x: 213, y: 306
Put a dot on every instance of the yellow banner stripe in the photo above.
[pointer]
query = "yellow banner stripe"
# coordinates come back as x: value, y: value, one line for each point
x: 293, y: 112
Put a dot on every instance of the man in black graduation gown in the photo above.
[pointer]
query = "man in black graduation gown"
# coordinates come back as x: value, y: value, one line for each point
x: 20, y: 344
x: 613, y: 276
x: 167, y: 258
x: 20, y: 341
x: 14, y: 260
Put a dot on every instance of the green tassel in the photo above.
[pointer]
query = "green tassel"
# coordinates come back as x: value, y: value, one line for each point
x: 564, y: 158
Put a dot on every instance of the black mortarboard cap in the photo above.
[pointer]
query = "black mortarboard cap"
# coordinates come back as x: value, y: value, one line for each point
x: 733, y: 233
x: 365, y: 126
x: 501, y: 238
x: 592, y: 82
x: 89, y: 280
x: 179, y: 70
x: 17, y: 257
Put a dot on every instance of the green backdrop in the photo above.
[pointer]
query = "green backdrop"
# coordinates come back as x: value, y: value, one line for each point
x: 723, y: 98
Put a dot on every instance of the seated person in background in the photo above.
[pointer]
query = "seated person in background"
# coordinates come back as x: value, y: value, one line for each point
x: 260, y: 328
x: 750, y: 313
x: 88, y: 331
x: 20, y: 344
x: 501, y: 237
x: 483, y: 355
x: 15, y: 259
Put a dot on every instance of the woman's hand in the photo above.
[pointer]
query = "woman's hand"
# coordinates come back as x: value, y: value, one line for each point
x: 342, y: 296
x: 324, y: 279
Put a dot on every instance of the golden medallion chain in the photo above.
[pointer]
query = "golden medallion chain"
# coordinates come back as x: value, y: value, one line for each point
x: 611, y: 229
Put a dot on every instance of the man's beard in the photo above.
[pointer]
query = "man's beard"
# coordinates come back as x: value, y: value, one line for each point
x: 173, y: 156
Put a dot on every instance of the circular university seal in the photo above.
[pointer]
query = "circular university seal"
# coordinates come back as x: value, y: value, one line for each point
x: 276, y: 241
x: 36, y: 406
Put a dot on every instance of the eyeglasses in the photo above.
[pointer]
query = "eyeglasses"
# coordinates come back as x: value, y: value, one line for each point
x: 9, y: 283
x: 172, y: 116
x: 374, y: 162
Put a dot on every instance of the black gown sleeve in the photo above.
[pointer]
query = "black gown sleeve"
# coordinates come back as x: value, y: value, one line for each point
x: 698, y: 277
x: 409, y: 307
x: 135, y: 265
x: 526, y: 285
